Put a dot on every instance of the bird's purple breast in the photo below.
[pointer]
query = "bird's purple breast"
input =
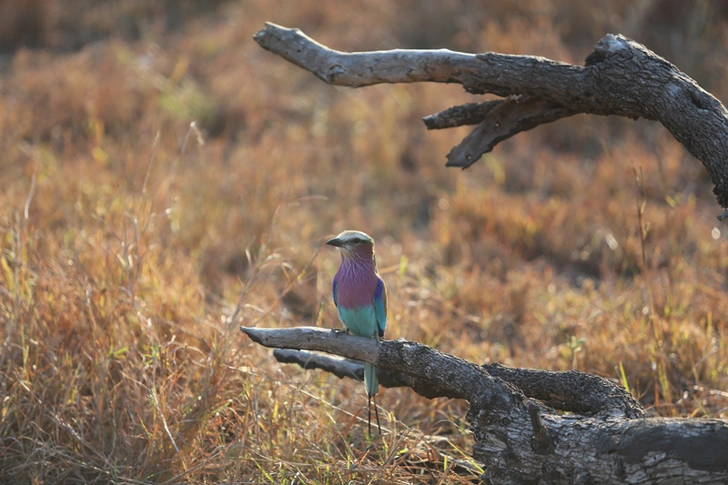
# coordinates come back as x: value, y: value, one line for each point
x: 356, y: 284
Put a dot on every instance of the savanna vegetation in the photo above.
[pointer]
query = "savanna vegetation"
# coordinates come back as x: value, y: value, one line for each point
x: 135, y: 242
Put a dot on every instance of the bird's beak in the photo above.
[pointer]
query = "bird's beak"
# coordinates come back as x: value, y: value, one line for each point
x: 335, y: 242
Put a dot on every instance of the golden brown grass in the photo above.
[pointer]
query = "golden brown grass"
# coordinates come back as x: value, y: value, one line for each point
x: 129, y: 240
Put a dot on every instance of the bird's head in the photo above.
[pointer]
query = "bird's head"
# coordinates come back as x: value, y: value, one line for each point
x: 353, y: 243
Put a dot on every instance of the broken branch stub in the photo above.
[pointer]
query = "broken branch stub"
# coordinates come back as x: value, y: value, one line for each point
x: 620, y: 77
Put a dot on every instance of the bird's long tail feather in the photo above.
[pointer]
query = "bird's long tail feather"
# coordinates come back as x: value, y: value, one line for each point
x: 372, y: 385
x: 373, y: 400
x: 370, y: 379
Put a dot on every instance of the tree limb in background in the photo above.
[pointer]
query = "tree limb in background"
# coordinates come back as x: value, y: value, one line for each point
x: 620, y: 77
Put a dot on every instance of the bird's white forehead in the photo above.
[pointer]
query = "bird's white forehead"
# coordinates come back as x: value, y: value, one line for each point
x: 349, y: 236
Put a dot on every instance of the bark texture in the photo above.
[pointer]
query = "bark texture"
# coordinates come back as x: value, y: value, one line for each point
x: 518, y: 437
x: 620, y: 77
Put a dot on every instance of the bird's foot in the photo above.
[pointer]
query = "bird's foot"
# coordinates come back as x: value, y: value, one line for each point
x: 340, y: 330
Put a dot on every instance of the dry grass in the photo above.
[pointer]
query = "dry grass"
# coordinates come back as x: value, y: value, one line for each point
x: 129, y: 240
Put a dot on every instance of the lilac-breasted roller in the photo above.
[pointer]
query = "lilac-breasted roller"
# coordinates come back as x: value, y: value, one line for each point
x: 361, y: 298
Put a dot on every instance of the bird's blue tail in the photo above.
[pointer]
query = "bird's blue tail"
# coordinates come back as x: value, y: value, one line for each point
x: 370, y: 379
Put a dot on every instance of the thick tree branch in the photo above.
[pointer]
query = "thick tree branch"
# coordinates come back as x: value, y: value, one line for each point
x: 571, y: 390
x: 409, y: 358
x: 620, y: 77
x: 566, y: 391
x: 519, y: 439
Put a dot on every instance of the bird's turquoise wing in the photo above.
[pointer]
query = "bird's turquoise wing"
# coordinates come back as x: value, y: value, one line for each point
x: 380, y: 306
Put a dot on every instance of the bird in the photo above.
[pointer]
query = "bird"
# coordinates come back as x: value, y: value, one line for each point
x: 360, y: 297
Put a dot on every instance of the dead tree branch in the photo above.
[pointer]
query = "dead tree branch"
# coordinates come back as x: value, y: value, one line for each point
x: 572, y: 391
x: 520, y: 439
x: 620, y: 77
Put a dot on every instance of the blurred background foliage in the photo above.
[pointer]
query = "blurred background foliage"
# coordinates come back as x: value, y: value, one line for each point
x: 130, y: 238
